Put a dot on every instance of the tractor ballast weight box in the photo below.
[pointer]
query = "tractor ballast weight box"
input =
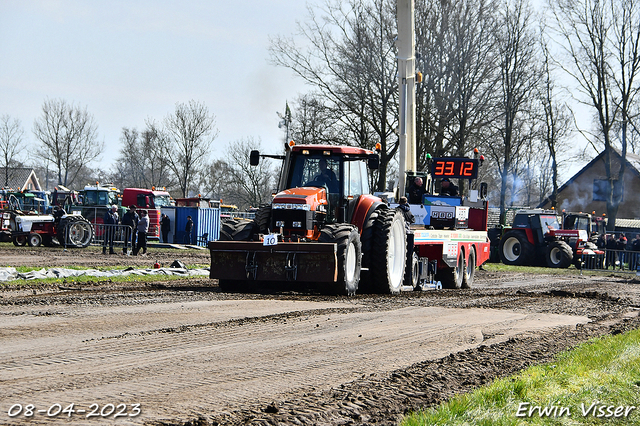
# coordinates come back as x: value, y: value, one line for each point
x: 286, y: 261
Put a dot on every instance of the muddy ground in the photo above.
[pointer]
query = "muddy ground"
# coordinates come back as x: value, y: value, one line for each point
x: 375, y: 395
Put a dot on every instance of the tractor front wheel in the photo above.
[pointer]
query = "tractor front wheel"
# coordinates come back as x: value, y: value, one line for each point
x: 20, y: 240
x: 515, y: 249
x: 349, y: 254
x: 238, y: 230
x: 559, y: 255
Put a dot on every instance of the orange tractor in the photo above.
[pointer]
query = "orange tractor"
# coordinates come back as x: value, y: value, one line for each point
x: 322, y: 227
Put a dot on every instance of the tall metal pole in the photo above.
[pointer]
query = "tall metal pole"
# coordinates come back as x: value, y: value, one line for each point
x: 406, y: 84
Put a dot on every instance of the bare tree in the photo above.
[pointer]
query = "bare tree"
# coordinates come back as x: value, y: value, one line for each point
x: 68, y: 138
x: 349, y: 59
x: 556, y: 125
x: 248, y: 185
x: 602, y: 42
x: 216, y: 180
x: 188, y: 134
x: 11, y: 137
x: 519, y: 77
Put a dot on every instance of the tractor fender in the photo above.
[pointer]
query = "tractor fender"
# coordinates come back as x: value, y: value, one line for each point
x: 367, y: 204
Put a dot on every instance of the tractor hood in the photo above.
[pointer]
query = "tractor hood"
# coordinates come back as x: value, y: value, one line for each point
x: 305, y: 198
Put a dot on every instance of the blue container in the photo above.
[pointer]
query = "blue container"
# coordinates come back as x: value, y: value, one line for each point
x: 206, y: 225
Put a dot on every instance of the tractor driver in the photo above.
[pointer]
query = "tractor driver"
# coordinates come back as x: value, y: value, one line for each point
x: 327, y: 176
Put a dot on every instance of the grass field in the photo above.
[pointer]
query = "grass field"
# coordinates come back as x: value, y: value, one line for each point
x: 596, y: 383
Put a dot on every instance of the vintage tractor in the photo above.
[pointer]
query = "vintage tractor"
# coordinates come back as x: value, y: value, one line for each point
x: 35, y: 229
x: 537, y: 238
x: 322, y: 227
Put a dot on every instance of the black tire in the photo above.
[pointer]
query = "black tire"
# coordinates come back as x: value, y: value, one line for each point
x: 349, y: 254
x: 263, y: 219
x: 387, y: 260
x: 453, y: 277
x: 76, y: 229
x: 559, y: 255
x: 515, y: 249
x: 411, y: 272
x: 47, y: 241
x: 34, y: 240
x: 20, y: 240
x: 238, y: 230
x: 470, y: 270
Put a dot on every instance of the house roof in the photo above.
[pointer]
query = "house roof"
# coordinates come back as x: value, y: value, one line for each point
x: 19, y: 177
x: 633, y: 161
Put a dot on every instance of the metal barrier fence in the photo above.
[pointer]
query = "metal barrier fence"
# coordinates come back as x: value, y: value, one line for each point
x: 612, y: 260
x: 112, y: 235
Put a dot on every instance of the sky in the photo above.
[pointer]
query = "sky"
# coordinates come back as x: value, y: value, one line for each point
x: 128, y: 61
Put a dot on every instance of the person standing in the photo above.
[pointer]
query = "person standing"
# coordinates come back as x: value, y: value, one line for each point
x: 416, y: 191
x: 165, y: 227
x: 110, y: 221
x: 187, y: 230
x: 635, y: 257
x: 130, y: 219
x: 406, y: 213
x: 143, y: 228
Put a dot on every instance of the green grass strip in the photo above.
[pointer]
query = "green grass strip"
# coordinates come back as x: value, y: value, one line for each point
x: 596, y: 383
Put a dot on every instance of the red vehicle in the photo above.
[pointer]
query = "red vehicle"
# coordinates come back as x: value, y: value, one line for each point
x: 149, y: 200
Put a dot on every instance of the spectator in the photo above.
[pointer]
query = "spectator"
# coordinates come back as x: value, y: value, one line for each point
x: 611, y: 247
x: 634, y: 262
x: 601, y: 242
x: 416, y: 191
x: 165, y: 227
x: 110, y: 221
x: 448, y: 188
x: 188, y: 229
x: 130, y: 219
x: 143, y: 228
x: 621, y: 246
x: 406, y: 212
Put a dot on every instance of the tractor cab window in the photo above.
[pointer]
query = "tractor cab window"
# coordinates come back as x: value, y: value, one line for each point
x: 549, y: 223
x: 316, y: 170
x: 356, y: 181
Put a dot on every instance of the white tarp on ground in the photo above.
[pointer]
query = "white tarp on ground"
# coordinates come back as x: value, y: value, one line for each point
x: 7, y: 274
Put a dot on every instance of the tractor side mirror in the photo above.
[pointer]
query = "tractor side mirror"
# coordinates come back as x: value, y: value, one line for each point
x: 483, y: 190
x: 254, y: 158
x: 373, y: 162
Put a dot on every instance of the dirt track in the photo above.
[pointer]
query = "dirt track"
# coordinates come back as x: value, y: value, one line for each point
x: 192, y: 355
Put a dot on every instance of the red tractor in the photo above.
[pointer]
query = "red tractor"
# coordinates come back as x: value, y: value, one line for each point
x: 536, y: 237
x: 322, y: 227
x: 35, y: 229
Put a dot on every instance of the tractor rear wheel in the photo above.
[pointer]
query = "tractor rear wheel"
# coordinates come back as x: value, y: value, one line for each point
x: 34, y: 240
x: 74, y: 231
x: 453, y: 277
x: 515, y: 249
x: 349, y: 254
x: 237, y: 230
x: 470, y: 270
x: 559, y: 255
x: 387, y: 259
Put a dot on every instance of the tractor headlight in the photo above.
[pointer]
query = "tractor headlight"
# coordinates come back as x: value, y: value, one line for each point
x: 280, y: 223
x: 297, y: 224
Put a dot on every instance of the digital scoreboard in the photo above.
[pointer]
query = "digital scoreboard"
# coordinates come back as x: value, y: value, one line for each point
x: 454, y: 168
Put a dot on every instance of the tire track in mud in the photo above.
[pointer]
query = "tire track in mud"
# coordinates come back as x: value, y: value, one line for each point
x: 174, y: 375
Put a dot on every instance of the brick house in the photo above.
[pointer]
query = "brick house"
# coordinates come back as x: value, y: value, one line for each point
x: 586, y: 191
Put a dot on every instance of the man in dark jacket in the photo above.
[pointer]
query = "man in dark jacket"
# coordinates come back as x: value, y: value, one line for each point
x: 448, y: 188
x: 406, y: 212
x: 130, y: 219
x: 416, y: 191
x: 634, y: 262
x: 187, y: 230
x: 165, y: 227
x: 110, y: 220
